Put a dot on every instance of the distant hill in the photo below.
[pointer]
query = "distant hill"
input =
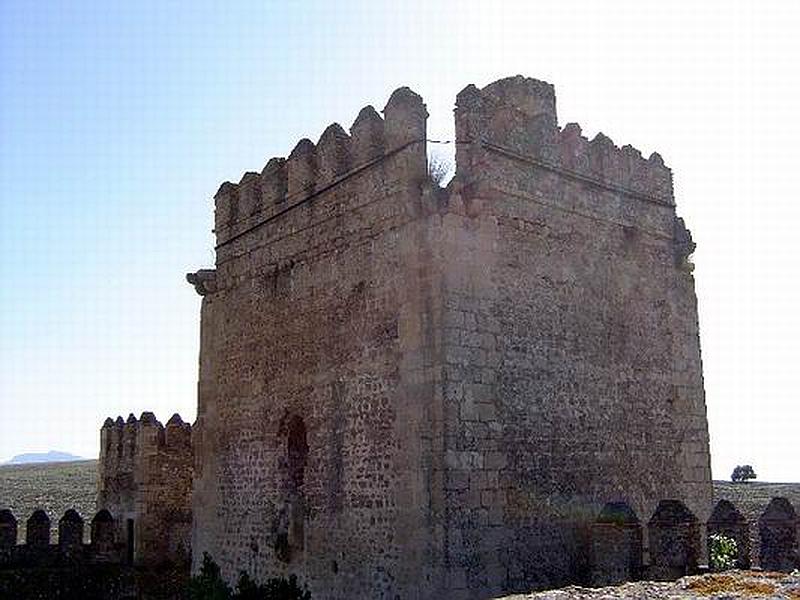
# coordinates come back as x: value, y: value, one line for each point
x: 43, y: 457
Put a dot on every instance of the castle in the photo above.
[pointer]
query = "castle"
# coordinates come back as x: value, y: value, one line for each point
x: 414, y: 392
x: 408, y: 391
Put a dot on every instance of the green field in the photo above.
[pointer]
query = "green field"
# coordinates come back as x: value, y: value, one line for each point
x: 54, y: 487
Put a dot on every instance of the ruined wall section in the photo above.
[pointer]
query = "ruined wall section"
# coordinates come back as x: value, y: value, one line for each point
x: 145, y: 476
x: 116, y: 482
x: 315, y: 429
x: 572, y: 361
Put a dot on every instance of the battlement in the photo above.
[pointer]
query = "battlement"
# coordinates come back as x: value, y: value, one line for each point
x: 516, y: 117
x: 674, y: 545
x: 121, y: 440
x: 144, y: 476
x: 37, y: 550
x: 311, y: 169
x: 513, y: 120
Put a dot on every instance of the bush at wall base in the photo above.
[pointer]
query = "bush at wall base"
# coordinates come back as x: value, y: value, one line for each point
x: 723, y: 550
x: 209, y: 585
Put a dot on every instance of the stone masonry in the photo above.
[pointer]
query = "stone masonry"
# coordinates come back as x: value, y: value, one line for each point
x: 414, y: 392
x: 145, y: 485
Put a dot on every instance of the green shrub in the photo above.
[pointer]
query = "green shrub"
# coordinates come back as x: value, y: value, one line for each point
x: 723, y: 551
x: 276, y: 588
x: 209, y: 585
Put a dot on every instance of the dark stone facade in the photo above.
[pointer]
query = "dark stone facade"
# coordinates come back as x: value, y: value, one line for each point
x: 777, y: 529
x: 71, y: 569
x: 617, y: 547
x: 145, y: 482
x: 675, y: 542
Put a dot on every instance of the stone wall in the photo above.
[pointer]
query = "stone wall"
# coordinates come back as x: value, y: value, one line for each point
x: 98, y: 569
x: 571, y: 350
x: 317, y: 374
x: 414, y: 392
x: 145, y: 476
x: 674, y: 547
x: 751, y: 500
x: 37, y: 550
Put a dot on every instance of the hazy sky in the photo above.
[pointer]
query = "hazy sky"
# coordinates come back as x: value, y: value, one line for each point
x: 119, y: 121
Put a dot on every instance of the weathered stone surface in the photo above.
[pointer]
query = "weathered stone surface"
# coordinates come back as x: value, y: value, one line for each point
x: 8, y: 529
x: 752, y: 499
x: 777, y: 529
x: 70, y: 530
x: 675, y: 543
x: 616, y: 552
x: 413, y: 392
x: 103, y: 532
x: 145, y: 482
x: 204, y: 281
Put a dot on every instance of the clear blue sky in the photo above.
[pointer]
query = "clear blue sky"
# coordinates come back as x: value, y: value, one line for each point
x: 118, y: 121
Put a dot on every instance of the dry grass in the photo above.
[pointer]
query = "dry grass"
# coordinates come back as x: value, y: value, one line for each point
x: 748, y: 586
x: 53, y: 487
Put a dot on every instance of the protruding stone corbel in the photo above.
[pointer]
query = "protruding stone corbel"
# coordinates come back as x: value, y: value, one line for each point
x: 204, y: 281
x: 684, y: 246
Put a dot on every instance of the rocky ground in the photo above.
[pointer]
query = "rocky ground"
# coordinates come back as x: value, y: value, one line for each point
x: 716, y: 586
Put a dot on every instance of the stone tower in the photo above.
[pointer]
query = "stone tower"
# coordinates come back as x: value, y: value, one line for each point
x: 414, y: 392
x: 144, y: 484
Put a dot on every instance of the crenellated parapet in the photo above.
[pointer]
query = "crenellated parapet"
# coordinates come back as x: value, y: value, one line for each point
x: 313, y: 168
x: 70, y: 548
x: 516, y: 117
x: 507, y: 137
x: 145, y: 475
x: 123, y: 442
x: 674, y: 546
x: 516, y: 113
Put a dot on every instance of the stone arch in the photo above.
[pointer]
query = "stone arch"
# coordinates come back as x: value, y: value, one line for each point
x: 616, y: 546
x: 777, y: 529
x: 728, y: 521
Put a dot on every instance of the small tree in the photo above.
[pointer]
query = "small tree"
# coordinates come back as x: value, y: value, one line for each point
x: 723, y: 551
x: 742, y: 473
x: 208, y: 585
x: 276, y: 588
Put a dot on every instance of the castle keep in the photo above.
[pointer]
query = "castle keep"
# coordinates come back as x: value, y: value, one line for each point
x: 414, y: 392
